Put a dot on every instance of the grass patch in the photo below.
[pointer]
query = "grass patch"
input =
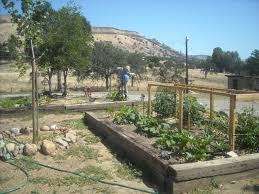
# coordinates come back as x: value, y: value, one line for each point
x: 75, y: 124
x: 128, y: 171
x: 4, y: 180
x: 90, y: 171
x: 92, y: 139
x: 27, y: 165
x: 42, y: 135
x: 81, y: 151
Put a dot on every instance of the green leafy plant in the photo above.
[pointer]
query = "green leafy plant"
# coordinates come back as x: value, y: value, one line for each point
x: 151, y: 126
x: 16, y: 102
x: 164, y: 103
x: 248, y: 131
x: 189, y: 147
x: 196, y: 110
x: 115, y: 96
x: 126, y: 115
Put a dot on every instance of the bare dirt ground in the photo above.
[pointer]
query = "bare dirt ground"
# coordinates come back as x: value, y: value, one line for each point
x: 89, y: 156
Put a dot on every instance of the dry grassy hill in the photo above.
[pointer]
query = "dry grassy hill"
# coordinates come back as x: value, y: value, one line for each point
x: 126, y: 40
x: 132, y: 41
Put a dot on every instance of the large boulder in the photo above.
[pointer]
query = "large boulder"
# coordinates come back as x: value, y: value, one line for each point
x: 48, y: 147
x: 30, y: 149
x: 45, y: 128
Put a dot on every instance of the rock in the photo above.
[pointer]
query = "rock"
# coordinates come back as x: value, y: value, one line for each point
x: 233, y: 182
x: 53, y: 127
x: 71, y: 136
x: 30, y: 149
x: 10, y: 147
x: 48, y: 147
x: 1, y: 136
x: 15, y: 131
x: 232, y: 154
x: 26, y: 130
x: 45, y: 128
x: 61, y: 142
x: 71, y: 131
x: 20, y: 148
x: 68, y: 140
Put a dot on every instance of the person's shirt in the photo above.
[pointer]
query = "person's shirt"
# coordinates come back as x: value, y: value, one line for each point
x: 125, y: 75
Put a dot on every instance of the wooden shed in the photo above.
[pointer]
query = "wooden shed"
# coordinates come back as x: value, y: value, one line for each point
x: 241, y: 82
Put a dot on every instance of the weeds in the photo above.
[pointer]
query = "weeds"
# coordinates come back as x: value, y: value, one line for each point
x: 75, y: 124
x: 128, y: 171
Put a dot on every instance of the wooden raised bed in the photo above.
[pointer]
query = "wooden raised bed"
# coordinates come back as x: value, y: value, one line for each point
x: 174, y: 178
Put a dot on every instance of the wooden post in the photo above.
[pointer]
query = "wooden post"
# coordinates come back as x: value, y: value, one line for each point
x: 231, y: 128
x: 149, y: 101
x: 180, y: 109
x: 176, y: 107
x: 211, y: 105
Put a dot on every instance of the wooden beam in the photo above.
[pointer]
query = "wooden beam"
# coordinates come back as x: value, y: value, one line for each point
x: 231, y: 128
x: 180, y: 116
x: 207, y: 91
x: 248, y: 97
x: 149, y: 100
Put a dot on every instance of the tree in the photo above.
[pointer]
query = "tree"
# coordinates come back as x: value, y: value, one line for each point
x: 218, y: 59
x: 70, y: 40
x: 252, y: 63
x: 137, y: 63
x: 105, y: 59
x: 207, y: 66
x: 29, y: 30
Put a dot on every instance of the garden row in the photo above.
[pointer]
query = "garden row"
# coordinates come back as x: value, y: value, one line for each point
x: 206, y: 139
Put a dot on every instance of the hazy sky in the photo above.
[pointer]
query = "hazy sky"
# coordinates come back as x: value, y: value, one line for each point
x: 229, y: 24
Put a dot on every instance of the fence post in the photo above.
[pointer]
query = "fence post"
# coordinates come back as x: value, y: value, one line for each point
x: 149, y: 100
x: 180, y: 109
x: 231, y: 127
x: 211, y: 104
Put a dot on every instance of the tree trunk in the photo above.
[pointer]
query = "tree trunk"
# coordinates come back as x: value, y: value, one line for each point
x: 50, y: 74
x: 65, y: 82
x: 59, y: 88
x: 34, y: 102
x: 206, y: 74
x: 107, y: 81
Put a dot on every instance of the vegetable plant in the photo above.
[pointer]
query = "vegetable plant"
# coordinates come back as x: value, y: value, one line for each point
x: 164, y: 103
x: 247, y: 131
x: 126, y: 115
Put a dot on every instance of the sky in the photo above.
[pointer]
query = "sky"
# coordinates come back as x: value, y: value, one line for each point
x: 230, y: 24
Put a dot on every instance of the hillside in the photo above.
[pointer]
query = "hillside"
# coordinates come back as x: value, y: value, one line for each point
x: 126, y: 40
x: 132, y: 41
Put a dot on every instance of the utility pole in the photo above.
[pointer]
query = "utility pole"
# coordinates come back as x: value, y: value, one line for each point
x: 186, y: 61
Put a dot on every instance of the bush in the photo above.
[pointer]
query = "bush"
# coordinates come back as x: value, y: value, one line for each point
x: 115, y: 96
x: 248, y: 131
x: 196, y: 110
x: 164, y: 103
x: 126, y: 115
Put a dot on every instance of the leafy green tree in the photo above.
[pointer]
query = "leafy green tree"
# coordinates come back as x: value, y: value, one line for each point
x: 137, y: 63
x: 29, y: 30
x: 69, y: 41
x: 218, y: 59
x: 105, y: 59
x: 207, y: 66
x: 252, y: 63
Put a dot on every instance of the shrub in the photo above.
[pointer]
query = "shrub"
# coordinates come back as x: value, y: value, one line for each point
x: 115, y: 96
x: 248, y: 131
x: 16, y: 102
x: 165, y: 102
x: 126, y: 115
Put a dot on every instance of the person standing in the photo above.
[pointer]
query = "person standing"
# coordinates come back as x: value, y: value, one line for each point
x: 125, y: 78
